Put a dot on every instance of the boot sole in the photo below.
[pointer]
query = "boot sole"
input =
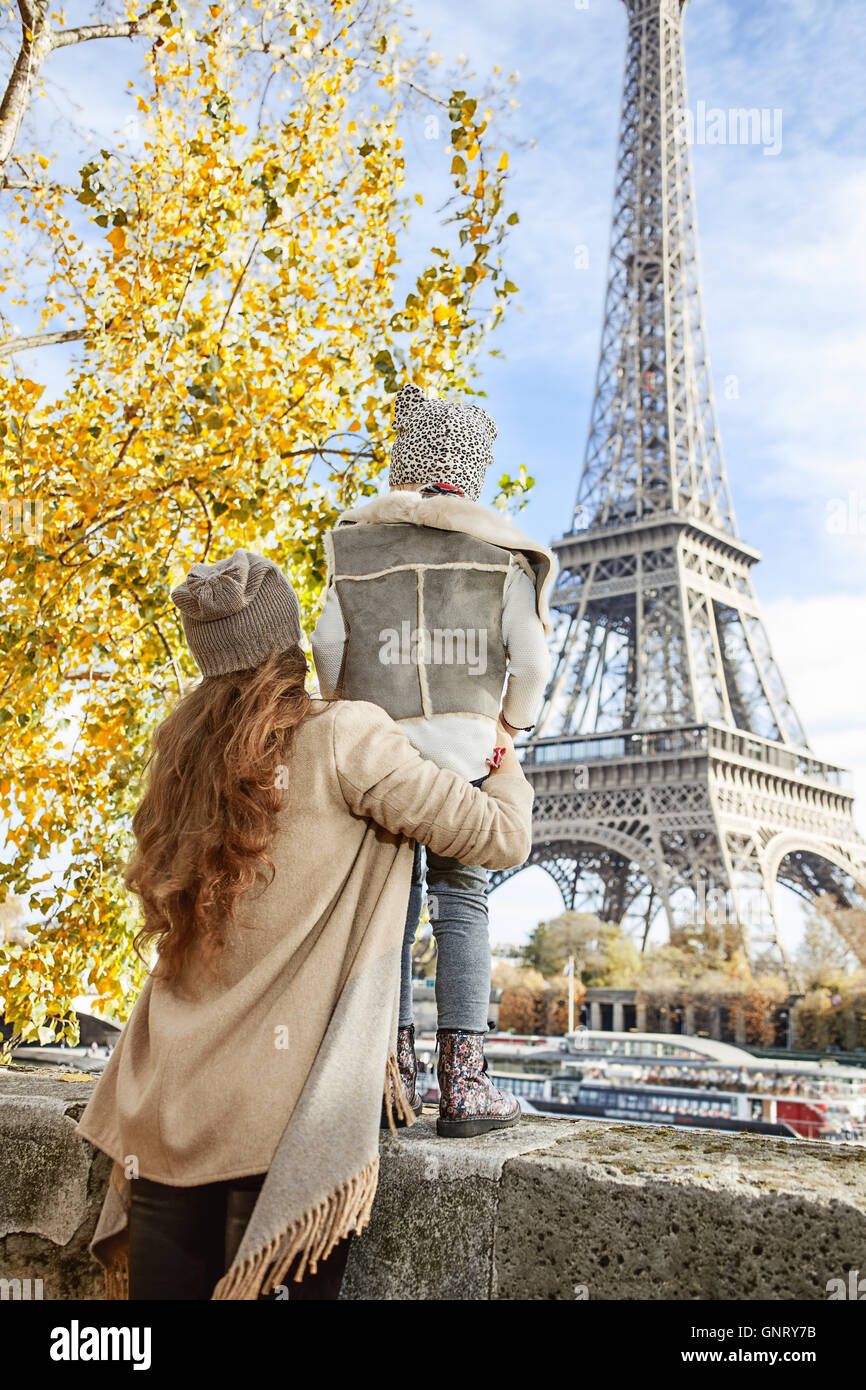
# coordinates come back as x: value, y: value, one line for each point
x: 469, y: 1129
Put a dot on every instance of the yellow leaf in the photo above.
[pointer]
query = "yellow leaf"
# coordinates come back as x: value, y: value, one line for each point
x: 472, y: 152
x: 42, y: 161
x: 117, y: 237
x: 503, y: 160
x: 441, y: 313
x: 142, y: 104
x: 418, y: 198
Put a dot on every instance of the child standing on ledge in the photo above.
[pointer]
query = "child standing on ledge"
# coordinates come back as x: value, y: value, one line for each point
x: 436, y: 610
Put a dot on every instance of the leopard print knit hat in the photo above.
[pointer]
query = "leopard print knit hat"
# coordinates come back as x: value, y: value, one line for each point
x: 440, y: 442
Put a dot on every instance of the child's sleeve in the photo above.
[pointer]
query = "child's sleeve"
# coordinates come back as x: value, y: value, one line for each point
x: 328, y: 643
x: 527, y: 650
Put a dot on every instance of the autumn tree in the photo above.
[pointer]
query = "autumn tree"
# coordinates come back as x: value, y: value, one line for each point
x: 821, y: 1020
x: 232, y: 278
x: 603, y: 953
x: 834, y: 936
x: 517, y: 1009
x: 557, y: 1005
x: 760, y: 1003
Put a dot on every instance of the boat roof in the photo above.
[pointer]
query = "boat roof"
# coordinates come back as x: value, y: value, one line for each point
x: 669, y: 1048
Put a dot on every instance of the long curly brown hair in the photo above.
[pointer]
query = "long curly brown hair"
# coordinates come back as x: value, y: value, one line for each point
x: 208, y: 816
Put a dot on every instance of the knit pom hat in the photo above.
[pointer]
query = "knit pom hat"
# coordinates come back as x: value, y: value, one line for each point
x: 440, y: 442
x: 236, y: 612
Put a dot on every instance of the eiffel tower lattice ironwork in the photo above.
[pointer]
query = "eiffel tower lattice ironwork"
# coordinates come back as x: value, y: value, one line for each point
x: 669, y: 765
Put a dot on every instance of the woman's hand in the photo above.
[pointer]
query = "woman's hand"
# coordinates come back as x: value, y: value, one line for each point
x: 509, y: 761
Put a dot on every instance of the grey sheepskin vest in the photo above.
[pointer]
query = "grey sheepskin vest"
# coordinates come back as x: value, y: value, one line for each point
x: 423, y: 614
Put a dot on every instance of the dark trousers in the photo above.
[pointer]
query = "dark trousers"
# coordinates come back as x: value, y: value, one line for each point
x: 183, y: 1239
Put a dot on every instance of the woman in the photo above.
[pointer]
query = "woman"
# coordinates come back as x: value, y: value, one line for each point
x: 273, y: 861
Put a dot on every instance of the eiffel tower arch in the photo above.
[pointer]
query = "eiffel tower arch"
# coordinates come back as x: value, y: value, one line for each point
x: 670, y: 769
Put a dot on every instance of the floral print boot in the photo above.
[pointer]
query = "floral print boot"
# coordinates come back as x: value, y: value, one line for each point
x: 407, y: 1065
x: 468, y: 1103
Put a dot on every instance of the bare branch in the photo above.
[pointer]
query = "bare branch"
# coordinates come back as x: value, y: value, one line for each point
x: 125, y: 29
x: 10, y: 346
x: 407, y: 82
x: 35, y: 185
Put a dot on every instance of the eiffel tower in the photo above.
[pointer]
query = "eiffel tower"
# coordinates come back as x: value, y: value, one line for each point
x: 670, y: 769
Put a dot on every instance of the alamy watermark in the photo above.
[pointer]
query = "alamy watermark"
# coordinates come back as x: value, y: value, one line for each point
x: 852, y: 1287
x: 21, y: 1289
x: 20, y: 516
x: 77, y: 1343
x: 439, y: 646
x: 717, y: 907
x: 846, y: 516
x: 739, y: 125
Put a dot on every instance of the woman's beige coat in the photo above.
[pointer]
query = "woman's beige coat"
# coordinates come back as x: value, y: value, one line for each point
x: 294, y: 1026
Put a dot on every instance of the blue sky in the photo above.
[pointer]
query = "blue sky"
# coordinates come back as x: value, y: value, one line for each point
x: 782, y: 240
x: 784, y: 279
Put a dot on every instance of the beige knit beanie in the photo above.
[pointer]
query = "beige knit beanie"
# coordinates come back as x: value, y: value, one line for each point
x: 236, y: 612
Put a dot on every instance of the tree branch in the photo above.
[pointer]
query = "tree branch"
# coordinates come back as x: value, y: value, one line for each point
x: 34, y: 185
x: 125, y: 29
x: 10, y: 346
x: 114, y: 515
x: 34, y: 49
x: 38, y: 39
x: 174, y: 666
x: 207, y: 518
x: 29, y: 13
x: 234, y: 294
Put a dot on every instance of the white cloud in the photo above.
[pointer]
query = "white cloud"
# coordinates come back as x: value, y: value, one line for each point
x: 818, y: 645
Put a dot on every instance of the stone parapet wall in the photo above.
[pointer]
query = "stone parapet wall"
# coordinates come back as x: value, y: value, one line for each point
x: 551, y: 1209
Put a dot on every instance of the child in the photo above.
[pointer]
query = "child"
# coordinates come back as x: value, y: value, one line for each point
x: 433, y: 603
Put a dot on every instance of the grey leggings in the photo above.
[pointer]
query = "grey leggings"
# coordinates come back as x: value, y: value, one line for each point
x: 458, y: 912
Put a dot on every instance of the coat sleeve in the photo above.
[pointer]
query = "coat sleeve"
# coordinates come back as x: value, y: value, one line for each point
x: 383, y: 777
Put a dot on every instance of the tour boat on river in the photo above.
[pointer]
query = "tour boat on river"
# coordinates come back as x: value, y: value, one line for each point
x: 663, y: 1078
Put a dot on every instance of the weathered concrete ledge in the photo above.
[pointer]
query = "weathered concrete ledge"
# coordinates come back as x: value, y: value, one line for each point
x: 552, y: 1209
x: 51, y: 1184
